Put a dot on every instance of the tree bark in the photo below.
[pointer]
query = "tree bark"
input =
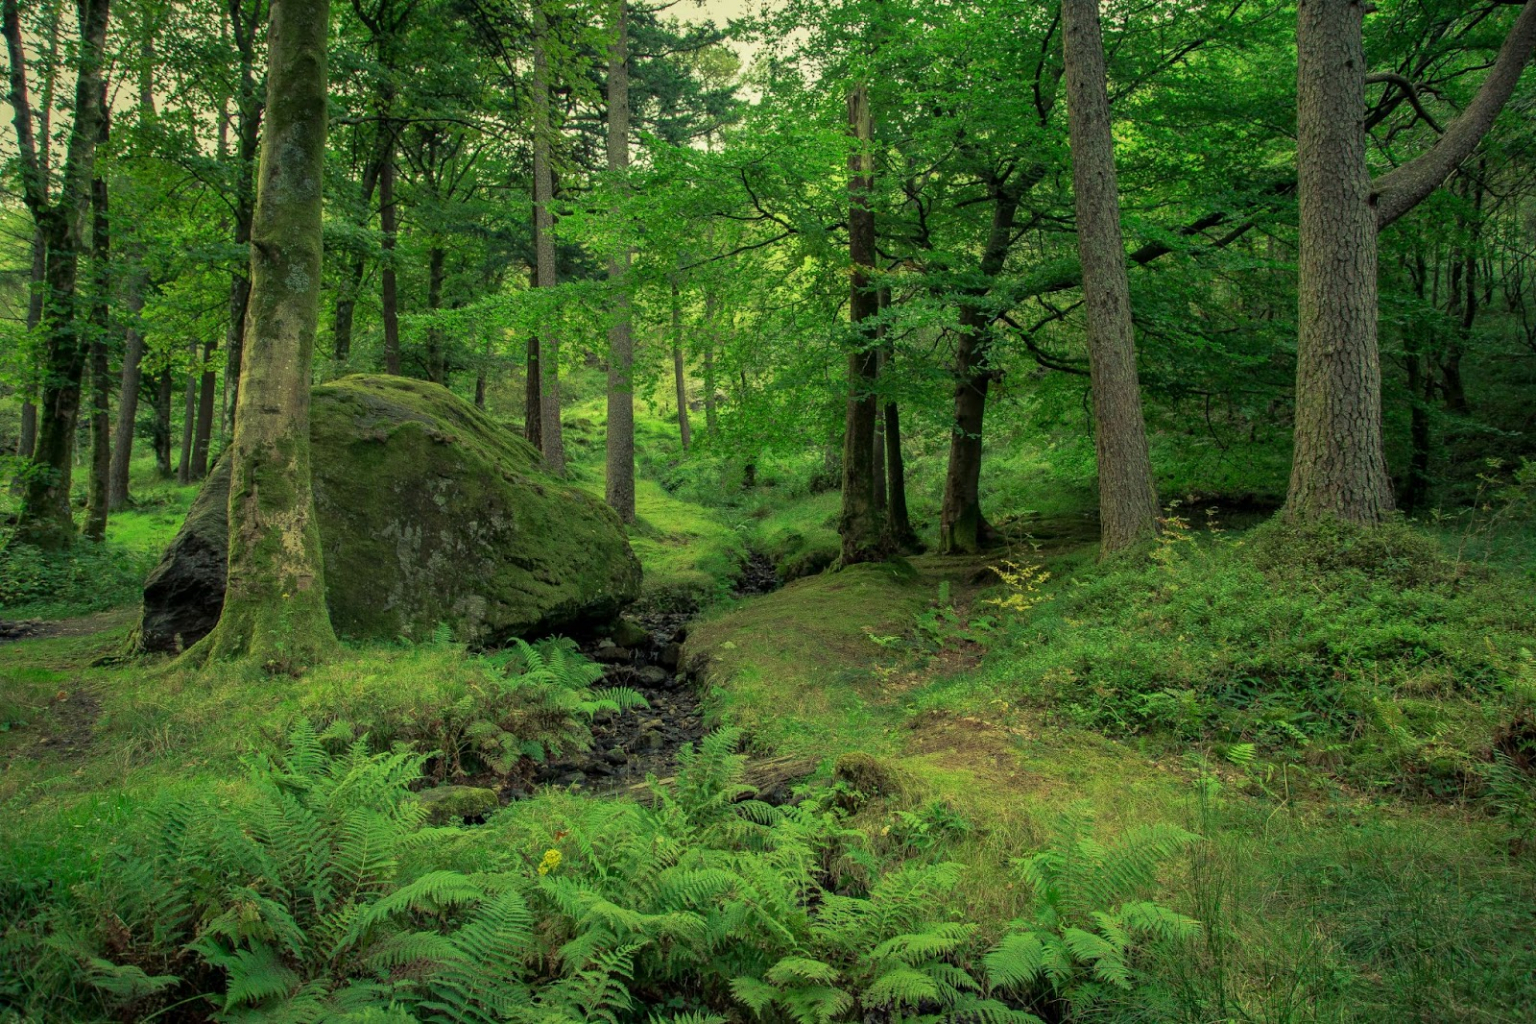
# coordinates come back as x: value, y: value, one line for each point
x: 274, y: 603
x: 861, y: 524
x: 45, y: 518
x: 1339, y: 468
x: 551, y: 441
x: 621, y: 354
x: 1127, y: 499
x: 37, y: 281
x: 685, y: 433
x: 128, y: 393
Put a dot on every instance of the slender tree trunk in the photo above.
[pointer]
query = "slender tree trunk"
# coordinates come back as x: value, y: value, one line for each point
x: 552, y: 442
x: 37, y: 287
x: 621, y: 353
x: 877, y: 446
x: 97, y: 501
x: 274, y: 602
x: 128, y: 393
x: 1127, y: 499
x: 206, y: 395
x: 711, y: 402
x: 388, y: 225
x: 861, y: 523
x: 188, y: 422
x: 898, y: 523
x: 249, y: 135
x: 160, y: 435
x: 1340, y: 466
x: 437, y: 364
x: 684, y: 432
x: 346, y: 301
x: 45, y: 518
x: 532, y: 412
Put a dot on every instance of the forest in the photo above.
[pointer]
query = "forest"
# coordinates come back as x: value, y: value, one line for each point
x: 768, y: 511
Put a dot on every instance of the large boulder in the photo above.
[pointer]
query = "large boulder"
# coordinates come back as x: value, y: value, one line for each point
x: 430, y: 513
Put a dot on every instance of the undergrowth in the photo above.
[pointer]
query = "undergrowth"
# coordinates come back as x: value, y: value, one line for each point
x: 314, y: 892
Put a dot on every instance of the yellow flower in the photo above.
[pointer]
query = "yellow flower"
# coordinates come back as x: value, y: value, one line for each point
x: 550, y: 862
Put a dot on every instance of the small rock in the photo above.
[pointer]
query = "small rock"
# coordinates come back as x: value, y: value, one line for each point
x: 616, y: 755
x: 609, y: 653
x: 446, y: 804
x: 652, y: 675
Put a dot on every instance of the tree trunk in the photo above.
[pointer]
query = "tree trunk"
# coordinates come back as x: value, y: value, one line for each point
x: 621, y: 353
x: 437, y: 363
x: 684, y: 432
x: 898, y: 524
x: 962, y: 529
x: 274, y: 602
x: 346, y: 302
x: 188, y: 422
x: 388, y: 225
x: 711, y: 404
x: 206, y: 394
x: 248, y: 136
x: 97, y: 501
x: 128, y: 394
x: 1339, y: 467
x: 532, y: 413
x: 36, y: 288
x: 877, y: 446
x: 552, y: 443
x: 1127, y: 499
x: 45, y: 518
x: 160, y: 435
x: 861, y: 524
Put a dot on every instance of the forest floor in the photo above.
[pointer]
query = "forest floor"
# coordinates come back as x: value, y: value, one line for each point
x: 1356, y: 876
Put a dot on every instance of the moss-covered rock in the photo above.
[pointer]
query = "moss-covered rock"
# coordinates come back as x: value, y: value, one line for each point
x: 429, y: 513
x: 447, y: 805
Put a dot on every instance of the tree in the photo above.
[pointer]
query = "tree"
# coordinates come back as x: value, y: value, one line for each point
x: 45, y: 518
x: 621, y: 355
x: 861, y: 525
x: 1340, y: 467
x: 274, y: 602
x: 1127, y: 499
x: 553, y: 444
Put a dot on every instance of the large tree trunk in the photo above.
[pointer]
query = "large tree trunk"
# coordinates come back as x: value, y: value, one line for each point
x: 45, y: 518
x: 962, y: 529
x: 621, y: 354
x: 274, y: 602
x: 552, y: 442
x: 678, y: 377
x: 1340, y: 466
x: 97, y: 501
x: 861, y: 523
x: 1127, y: 499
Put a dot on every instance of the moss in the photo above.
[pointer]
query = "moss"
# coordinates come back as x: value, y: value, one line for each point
x: 447, y: 805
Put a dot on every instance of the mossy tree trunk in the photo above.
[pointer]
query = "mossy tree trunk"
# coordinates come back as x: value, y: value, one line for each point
x: 1127, y: 499
x: 45, y: 518
x: 274, y: 604
x: 620, y: 439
